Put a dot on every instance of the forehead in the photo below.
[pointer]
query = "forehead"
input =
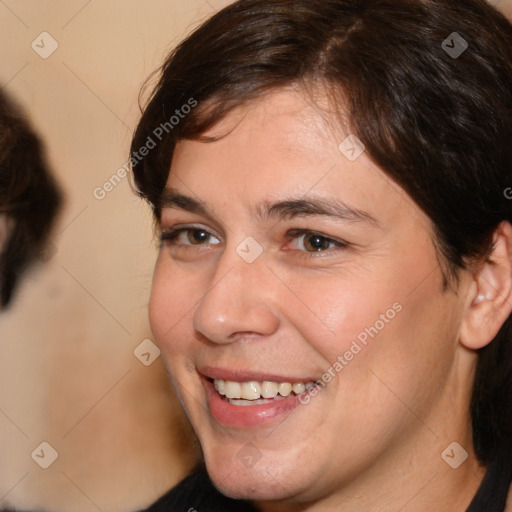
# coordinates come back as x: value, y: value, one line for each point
x: 288, y: 122
x: 283, y: 145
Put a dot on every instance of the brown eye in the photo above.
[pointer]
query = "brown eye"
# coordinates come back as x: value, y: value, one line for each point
x: 189, y: 237
x: 313, y: 242
x: 316, y: 243
x: 198, y: 236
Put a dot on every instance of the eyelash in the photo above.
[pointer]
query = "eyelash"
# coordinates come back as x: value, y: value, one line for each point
x: 170, y: 238
x: 336, y: 244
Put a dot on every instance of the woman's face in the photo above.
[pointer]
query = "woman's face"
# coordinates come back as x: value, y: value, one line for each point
x: 287, y: 260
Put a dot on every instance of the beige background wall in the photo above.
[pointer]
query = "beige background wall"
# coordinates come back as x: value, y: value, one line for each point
x: 68, y: 375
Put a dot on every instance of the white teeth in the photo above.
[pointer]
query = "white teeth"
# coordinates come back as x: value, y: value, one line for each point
x: 252, y: 402
x: 299, y: 388
x: 269, y: 389
x: 244, y: 392
x: 251, y: 390
x: 220, y: 386
x: 232, y: 389
x: 285, y: 388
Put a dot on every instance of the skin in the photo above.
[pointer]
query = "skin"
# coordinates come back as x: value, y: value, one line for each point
x: 372, y: 439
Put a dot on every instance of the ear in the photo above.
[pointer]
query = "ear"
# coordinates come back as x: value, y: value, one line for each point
x: 5, y: 230
x: 489, y: 299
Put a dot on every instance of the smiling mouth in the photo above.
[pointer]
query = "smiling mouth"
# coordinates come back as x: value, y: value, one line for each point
x: 258, y: 393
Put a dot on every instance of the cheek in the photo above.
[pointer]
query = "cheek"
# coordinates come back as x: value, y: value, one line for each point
x: 401, y: 327
x: 398, y: 351
x: 335, y: 312
x: 171, y: 301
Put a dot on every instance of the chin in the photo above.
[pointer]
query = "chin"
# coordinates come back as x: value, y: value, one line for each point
x: 258, y: 479
x: 250, y: 485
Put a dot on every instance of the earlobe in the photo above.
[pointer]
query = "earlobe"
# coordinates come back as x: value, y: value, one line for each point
x: 489, y: 297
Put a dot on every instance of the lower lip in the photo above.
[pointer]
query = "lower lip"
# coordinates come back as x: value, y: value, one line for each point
x: 246, y: 416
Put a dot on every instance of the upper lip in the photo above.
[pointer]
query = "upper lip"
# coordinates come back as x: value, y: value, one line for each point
x: 230, y: 374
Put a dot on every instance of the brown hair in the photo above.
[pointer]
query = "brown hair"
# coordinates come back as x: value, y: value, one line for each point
x: 437, y: 122
x: 28, y: 195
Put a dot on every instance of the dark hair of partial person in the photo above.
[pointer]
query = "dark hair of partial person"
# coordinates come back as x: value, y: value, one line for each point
x: 28, y: 195
x: 439, y: 126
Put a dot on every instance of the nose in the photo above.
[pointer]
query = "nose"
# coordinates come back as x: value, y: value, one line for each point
x: 240, y: 302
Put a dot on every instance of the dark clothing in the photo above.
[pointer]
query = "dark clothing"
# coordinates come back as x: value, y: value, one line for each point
x: 492, y: 495
x: 197, y: 494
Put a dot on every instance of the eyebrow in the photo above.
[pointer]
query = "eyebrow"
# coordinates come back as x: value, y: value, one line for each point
x: 287, y: 209
x: 173, y: 199
x: 315, y: 207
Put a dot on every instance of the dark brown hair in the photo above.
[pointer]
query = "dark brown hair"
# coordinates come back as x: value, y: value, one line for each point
x: 438, y: 122
x: 28, y: 195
